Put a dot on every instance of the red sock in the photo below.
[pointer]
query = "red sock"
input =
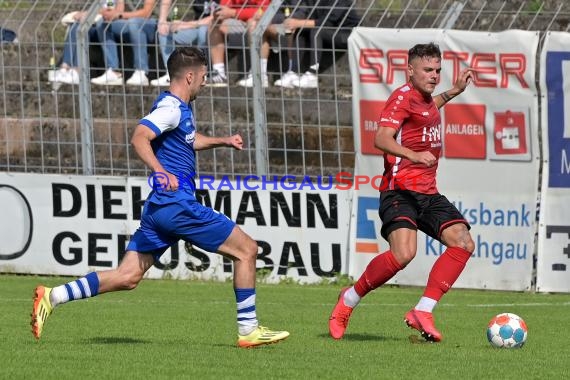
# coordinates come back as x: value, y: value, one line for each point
x: 382, y: 268
x: 445, y: 271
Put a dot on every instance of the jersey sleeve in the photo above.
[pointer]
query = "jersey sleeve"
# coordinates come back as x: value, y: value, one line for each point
x: 165, y: 117
x: 395, y: 112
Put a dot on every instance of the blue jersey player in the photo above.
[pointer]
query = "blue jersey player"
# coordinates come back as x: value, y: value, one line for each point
x: 166, y: 140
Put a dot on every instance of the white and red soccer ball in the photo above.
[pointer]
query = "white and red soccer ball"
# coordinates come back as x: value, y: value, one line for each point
x: 507, y: 330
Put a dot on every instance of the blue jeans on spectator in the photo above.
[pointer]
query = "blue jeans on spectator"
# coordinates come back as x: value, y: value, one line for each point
x: 70, y: 45
x: 140, y: 31
x: 193, y: 37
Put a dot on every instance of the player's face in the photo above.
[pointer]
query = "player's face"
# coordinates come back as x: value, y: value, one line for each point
x: 425, y: 73
x: 196, y: 79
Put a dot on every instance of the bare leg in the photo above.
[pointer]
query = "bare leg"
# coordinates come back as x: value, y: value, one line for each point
x: 242, y: 249
x: 127, y: 275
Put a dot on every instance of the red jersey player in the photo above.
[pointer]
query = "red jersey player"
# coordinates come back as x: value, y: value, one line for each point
x: 409, y: 134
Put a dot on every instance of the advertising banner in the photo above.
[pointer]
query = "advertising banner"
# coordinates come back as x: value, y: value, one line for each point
x: 490, y: 154
x: 69, y: 225
x: 553, y: 262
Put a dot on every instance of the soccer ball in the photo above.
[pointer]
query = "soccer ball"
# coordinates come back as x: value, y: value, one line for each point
x: 507, y: 330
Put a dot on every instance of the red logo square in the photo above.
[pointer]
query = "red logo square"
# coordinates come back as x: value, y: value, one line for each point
x: 509, y: 133
x: 369, y: 117
x: 464, y: 131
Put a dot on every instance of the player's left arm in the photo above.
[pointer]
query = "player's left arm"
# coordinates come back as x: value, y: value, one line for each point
x: 202, y: 142
x: 460, y: 85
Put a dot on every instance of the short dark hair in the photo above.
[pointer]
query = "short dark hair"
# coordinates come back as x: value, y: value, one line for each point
x: 424, y: 50
x: 183, y: 58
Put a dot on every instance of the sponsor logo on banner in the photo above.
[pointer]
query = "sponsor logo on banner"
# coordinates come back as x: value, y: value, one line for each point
x: 464, y: 131
x: 367, y: 225
x: 508, y: 139
x: 16, y: 221
x: 563, y: 230
x: 369, y: 117
x: 557, y: 79
x: 510, y: 133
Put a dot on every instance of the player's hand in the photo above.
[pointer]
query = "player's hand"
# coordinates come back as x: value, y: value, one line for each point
x: 426, y: 158
x: 172, y: 184
x: 235, y: 141
x: 465, y: 77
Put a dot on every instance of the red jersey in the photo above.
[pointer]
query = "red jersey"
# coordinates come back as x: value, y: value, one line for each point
x: 418, y: 123
x: 246, y: 8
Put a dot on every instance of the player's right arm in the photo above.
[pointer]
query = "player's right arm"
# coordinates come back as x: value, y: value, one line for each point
x: 385, y: 140
x: 165, y: 117
x: 392, y: 118
x: 142, y: 136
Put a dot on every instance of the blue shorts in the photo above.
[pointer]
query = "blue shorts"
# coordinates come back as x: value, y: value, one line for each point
x: 163, y: 225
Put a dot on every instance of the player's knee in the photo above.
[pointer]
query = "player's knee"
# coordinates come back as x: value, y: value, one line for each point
x: 250, y: 249
x: 130, y: 280
x: 468, y: 244
x: 404, y: 255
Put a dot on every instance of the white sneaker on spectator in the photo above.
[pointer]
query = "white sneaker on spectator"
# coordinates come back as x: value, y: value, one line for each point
x: 70, y: 77
x: 248, y: 81
x: 137, y: 79
x: 161, y: 81
x: 308, y: 80
x: 215, y: 79
x: 289, y: 80
x: 109, y: 78
x: 57, y: 75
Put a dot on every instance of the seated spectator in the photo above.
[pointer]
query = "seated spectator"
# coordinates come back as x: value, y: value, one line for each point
x: 271, y: 35
x: 140, y: 29
x: 230, y: 17
x: 175, y: 31
x: 68, y: 70
x: 318, y: 23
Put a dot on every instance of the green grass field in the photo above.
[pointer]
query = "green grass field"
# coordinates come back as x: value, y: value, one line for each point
x: 186, y: 329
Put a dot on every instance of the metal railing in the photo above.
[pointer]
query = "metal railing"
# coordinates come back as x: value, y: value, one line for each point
x: 48, y: 129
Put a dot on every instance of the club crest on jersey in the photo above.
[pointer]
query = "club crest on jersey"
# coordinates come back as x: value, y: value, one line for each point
x: 432, y: 134
x: 190, y: 137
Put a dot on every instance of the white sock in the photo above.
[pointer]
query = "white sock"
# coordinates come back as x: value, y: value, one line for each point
x: 351, y: 298
x: 58, y: 295
x: 220, y: 68
x: 426, y: 304
x: 263, y: 66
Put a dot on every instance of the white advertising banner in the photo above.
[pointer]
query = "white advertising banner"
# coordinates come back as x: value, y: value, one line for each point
x: 69, y: 225
x: 553, y: 262
x: 490, y: 157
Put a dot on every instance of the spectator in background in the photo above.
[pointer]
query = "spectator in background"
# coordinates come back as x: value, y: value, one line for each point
x: 68, y: 71
x: 140, y: 29
x: 319, y: 23
x: 271, y: 35
x: 247, y: 12
x: 172, y: 31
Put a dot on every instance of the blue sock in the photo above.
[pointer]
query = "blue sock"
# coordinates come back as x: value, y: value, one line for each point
x: 84, y: 287
x: 246, y: 316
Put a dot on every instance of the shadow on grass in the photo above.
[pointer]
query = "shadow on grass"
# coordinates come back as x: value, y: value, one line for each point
x: 361, y: 337
x: 115, y: 340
